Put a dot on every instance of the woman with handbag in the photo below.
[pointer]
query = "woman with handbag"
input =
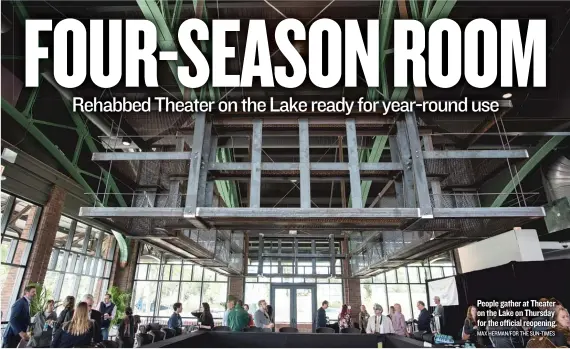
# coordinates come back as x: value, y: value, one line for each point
x: 470, y: 325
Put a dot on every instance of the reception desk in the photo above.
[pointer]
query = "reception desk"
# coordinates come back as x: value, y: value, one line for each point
x: 207, y: 339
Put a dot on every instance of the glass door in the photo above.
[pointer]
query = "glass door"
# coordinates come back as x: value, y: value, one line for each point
x: 294, y: 306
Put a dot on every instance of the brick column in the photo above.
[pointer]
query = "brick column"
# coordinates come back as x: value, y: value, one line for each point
x: 351, y: 286
x: 236, y: 286
x: 45, y: 237
x: 351, y: 291
x: 123, y: 277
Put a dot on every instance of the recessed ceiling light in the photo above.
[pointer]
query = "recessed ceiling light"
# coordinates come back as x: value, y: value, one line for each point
x: 126, y: 143
x: 507, y: 95
x: 153, y: 149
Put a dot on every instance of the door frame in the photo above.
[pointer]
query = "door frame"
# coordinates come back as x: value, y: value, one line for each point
x: 293, y: 300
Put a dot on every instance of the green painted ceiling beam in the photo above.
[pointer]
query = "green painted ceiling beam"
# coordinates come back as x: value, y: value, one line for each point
x: 29, y: 126
x: 441, y: 9
x: 415, y: 9
x: 73, y: 170
x: 176, y: 14
x: 538, y: 154
x: 166, y: 41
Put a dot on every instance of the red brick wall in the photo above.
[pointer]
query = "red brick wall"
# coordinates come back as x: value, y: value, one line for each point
x: 351, y: 290
x: 45, y: 236
x: 236, y: 286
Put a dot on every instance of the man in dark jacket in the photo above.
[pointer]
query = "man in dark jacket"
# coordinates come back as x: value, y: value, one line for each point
x: 94, y: 315
x: 19, y: 321
x: 424, y: 319
x: 108, y: 309
x: 321, y: 320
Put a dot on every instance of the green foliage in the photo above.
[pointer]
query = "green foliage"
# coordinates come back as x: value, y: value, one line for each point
x: 121, y: 300
x: 40, y: 300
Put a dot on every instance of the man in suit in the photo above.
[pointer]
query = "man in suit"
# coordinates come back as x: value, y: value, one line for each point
x: 19, y: 320
x: 94, y: 315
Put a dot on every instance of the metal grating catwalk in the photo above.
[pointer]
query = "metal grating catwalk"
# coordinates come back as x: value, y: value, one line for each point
x: 192, y: 188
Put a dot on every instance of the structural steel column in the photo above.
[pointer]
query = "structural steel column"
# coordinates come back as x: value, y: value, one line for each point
x: 260, y: 256
x: 174, y: 185
x: 418, y: 166
x: 45, y: 236
x: 395, y: 157
x: 304, y: 163
x: 255, y: 182
x: 209, y: 193
x: 435, y: 184
x: 353, y: 164
x: 409, y: 197
x: 206, y: 152
x: 195, y: 162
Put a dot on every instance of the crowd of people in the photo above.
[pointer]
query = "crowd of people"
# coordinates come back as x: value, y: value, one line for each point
x: 78, y: 324
x: 82, y: 324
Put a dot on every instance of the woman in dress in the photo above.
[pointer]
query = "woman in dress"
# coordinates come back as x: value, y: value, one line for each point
x: 363, y: 318
x: 344, y: 320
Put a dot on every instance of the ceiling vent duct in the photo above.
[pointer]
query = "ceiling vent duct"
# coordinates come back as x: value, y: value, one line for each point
x: 557, y: 187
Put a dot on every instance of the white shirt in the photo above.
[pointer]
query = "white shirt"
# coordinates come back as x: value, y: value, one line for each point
x: 379, y: 324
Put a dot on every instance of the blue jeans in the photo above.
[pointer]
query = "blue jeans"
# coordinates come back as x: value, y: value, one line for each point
x: 105, y: 333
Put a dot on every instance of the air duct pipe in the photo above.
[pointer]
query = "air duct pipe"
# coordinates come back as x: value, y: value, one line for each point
x: 558, y: 179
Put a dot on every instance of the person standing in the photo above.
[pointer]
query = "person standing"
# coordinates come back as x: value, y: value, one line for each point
x: 108, y: 309
x: 391, y: 312
x: 271, y: 316
x: 363, y: 317
x: 250, y: 323
x: 379, y: 323
x: 206, y: 318
x: 229, y: 306
x: 321, y: 320
x: 67, y: 313
x: 398, y: 321
x: 561, y: 336
x: 175, y: 321
x: 424, y: 319
x: 79, y: 332
x: 44, y: 322
x: 470, y: 325
x: 238, y: 317
x: 19, y: 321
x: 438, y: 312
x: 344, y: 320
x: 94, y: 315
x: 127, y: 330
x: 261, y: 318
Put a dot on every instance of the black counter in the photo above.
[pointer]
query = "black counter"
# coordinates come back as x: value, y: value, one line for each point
x: 207, y: 339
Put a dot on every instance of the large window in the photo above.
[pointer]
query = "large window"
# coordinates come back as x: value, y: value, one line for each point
x: 19, y: 222
x: 405, y: 285
x: 163, y: 279
x: 80, y: 261
x: 330, y: 289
